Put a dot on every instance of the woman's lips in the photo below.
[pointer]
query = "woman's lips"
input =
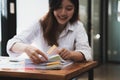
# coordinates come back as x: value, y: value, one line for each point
x: 62, y: 17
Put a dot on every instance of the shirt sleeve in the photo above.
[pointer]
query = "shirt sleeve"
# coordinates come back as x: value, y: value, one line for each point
x: 26, y: 36
x: 82, y: 44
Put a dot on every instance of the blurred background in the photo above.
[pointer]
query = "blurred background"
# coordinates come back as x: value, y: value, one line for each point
x: 101, y: 19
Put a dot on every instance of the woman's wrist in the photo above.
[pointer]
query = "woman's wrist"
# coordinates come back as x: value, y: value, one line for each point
x: 77, y: 56
x: 27, y: 48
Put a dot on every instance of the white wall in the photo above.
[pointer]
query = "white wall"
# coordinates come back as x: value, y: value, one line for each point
x: 29, y: 11
x: 0, y: 27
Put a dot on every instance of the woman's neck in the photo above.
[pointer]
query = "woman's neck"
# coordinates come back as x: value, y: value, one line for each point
x: 61, y: 27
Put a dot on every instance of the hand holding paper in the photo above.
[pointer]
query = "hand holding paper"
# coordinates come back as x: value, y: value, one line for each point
x: 54, y: 60
x: 53, y: 54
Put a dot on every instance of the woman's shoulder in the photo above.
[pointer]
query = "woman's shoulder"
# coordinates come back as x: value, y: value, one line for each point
x: 36, y: 24
x: 78, y: 23
x: 34, y: 27
x: 78, y: 26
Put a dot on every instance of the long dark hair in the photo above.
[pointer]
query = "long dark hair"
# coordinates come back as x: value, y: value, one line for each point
x: 49, y: 23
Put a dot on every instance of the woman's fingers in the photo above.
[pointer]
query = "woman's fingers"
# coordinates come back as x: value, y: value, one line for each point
x: 42, y: 54
x: 64, y: 53
x: 34, y: 53
x: 35, y: 58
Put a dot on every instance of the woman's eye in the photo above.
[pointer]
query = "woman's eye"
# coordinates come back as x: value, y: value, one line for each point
x: 69, y: 8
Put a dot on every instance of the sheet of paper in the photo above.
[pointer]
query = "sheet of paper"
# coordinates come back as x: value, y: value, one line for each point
x: 9, y: 63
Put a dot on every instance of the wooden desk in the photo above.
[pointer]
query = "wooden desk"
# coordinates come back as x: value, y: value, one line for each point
x: 67, y: 73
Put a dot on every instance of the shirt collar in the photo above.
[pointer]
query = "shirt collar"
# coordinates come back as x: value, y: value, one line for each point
x: 69, y: 27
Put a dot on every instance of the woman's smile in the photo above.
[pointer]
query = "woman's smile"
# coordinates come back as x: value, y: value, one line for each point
x: 64, y: 12
x: 63, y: 18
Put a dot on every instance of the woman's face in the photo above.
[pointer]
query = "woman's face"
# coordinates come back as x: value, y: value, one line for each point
x: 65, y: 12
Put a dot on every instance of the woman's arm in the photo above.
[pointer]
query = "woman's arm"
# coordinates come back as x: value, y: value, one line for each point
x: 81, y: 50
x: 22, y: 43
x: 81, y: 42
x: 31, y: 51
x: 18, y: 47
x: 71, y: 55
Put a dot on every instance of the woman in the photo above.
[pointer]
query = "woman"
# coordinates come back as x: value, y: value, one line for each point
x: 61, y: 27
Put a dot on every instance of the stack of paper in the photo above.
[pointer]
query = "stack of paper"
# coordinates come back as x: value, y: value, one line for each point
x: 54, y: 61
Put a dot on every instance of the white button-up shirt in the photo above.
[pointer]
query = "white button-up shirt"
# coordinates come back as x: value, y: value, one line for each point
x: 73, y: 37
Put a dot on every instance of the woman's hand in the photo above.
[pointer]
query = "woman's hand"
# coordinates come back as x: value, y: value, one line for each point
x: 65, y: 54
x: 35, y: 54
x: 71, y: 55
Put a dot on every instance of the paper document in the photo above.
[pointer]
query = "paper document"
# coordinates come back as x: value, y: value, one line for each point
x: 54, y: 61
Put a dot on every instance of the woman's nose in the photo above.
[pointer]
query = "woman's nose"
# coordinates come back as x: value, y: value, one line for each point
x: 63, y: 12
